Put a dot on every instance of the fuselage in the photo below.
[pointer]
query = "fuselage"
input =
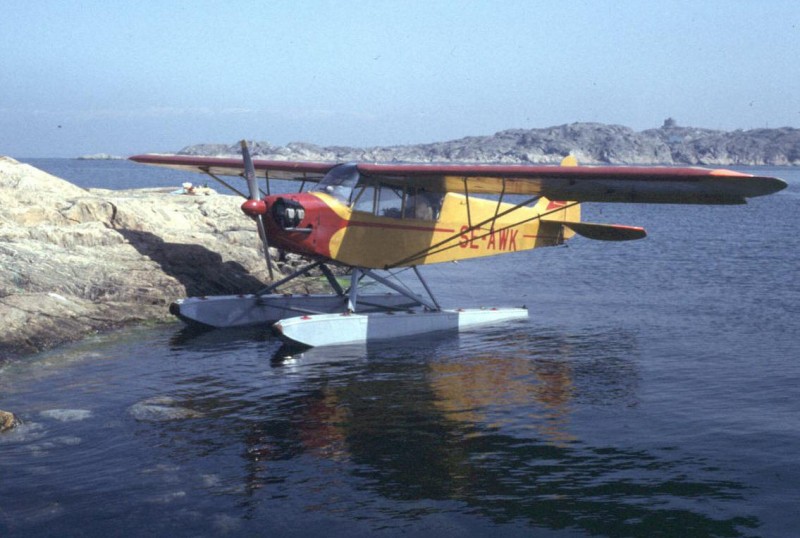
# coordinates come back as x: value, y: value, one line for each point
x: 358, y: 222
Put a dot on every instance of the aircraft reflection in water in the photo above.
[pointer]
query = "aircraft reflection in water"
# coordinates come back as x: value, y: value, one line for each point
x: 458, y: 428
x: 470, y: 392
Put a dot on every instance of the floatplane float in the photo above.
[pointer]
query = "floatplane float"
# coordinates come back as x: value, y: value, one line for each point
x: 375, y: 219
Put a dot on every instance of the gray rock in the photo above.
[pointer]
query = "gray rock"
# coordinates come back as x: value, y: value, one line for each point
x: 78, y: 261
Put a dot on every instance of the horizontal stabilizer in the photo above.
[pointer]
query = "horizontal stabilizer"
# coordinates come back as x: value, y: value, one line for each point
x: 604, y: 232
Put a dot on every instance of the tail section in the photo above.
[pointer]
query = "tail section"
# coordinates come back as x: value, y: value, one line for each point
x: 569, y: 160
x: 565, y: 223
x: 557, y: 212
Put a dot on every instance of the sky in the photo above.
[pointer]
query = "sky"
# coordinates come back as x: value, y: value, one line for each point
x: 127, y: 77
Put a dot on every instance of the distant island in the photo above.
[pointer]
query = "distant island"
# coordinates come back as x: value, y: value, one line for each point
x: 590, y: 143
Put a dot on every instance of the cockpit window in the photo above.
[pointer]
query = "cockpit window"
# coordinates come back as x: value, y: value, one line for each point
x: 408, y: 203
x: 379, y: 196
x: 390, y: 202
x: 422, y: 205
x: 339, y: 182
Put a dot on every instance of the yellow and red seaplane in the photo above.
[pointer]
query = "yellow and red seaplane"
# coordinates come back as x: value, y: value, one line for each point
x: 375, y: 218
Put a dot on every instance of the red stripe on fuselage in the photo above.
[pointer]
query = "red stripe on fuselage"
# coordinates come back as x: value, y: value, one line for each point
x: 398, y: 226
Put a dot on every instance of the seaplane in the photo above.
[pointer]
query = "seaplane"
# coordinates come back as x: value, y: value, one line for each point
x: 368, y: 221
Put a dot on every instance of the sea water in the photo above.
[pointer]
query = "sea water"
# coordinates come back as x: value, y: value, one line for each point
x: 654, y: 391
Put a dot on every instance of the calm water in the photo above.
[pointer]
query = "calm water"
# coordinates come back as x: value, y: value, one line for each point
x: 654, y: 391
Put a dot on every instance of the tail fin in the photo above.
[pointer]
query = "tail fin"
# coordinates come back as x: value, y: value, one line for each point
x: 552, y: 222
x: 570, y: 220
x: 572, y: 212
x: 569, y: 160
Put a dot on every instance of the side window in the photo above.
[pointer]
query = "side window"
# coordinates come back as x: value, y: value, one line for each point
x: 365, y: 199
x: 396, y: 202
x: 423, y: 205
x: 390, y: 202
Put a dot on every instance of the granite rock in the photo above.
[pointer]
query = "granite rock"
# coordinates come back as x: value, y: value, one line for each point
x: 77, y: 261
x: 8, y: 421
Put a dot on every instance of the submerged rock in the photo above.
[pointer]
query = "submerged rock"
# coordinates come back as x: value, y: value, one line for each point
x: 77, y: 261
x: 161, y: 408
x: 67, y: 415
x: 8, y: 420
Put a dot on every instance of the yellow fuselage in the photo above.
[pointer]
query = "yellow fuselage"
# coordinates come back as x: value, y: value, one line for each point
x: 465, y: 228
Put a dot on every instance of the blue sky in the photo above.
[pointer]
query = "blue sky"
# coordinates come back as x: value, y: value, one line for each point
x: 126, y: 77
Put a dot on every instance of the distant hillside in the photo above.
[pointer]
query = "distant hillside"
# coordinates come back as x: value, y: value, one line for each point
x: 591, y: 143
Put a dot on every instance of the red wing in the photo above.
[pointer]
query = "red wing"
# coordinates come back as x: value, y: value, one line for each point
x: 639, y: 184
x: 235, y: 166
x: 642, y: 184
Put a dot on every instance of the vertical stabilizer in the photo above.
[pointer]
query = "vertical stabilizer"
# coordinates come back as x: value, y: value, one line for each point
x: 571, y: 211
x: 569, y: 160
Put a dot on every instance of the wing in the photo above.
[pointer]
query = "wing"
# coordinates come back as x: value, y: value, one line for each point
x: 638, y: 184
x: 291, y: 170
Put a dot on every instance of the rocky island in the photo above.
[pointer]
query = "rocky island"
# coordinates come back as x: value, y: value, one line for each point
x: 590, y: 143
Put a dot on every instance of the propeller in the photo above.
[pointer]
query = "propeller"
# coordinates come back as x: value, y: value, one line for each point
x: 255, y: 194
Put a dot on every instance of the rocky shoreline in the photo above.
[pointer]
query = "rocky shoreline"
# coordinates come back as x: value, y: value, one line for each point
x: 590, y: 143
x: 79, y: 261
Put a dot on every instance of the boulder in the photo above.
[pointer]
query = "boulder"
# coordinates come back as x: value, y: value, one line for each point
x: 8, y: 421
x: 161, y: 408
x: 77, y: 261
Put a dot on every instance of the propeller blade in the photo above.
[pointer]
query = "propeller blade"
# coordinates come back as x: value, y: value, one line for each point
x: 250, y: 172
x: 255, y: 194
x: 262, y: 232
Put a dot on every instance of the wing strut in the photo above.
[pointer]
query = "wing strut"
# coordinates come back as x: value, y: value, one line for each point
x: 359, y: 273
x: 499, y: 202
x: 427, y: 288
x: 223, y: 182
x: 466, y: 193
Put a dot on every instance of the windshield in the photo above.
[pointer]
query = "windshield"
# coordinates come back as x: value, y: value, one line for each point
x: 339, y: 182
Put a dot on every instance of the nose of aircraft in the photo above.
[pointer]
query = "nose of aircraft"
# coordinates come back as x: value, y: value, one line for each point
x: 254, y: 208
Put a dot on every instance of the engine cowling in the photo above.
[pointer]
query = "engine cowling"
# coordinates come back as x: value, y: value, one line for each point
x: 287, y: 213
